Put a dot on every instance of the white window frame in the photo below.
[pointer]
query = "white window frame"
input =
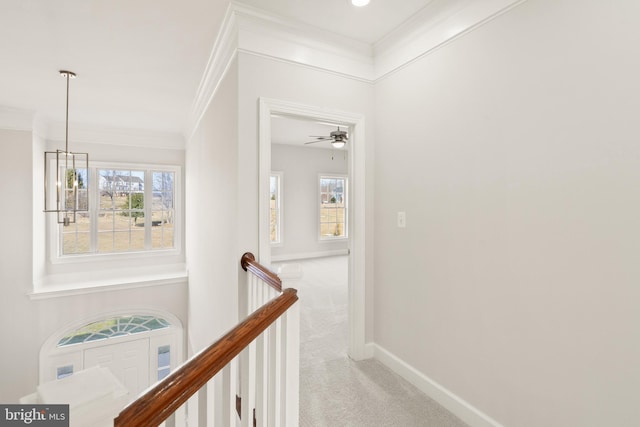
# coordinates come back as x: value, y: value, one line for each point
x: 279, y: 211
x: 54, y: 239
x: 322, y: 238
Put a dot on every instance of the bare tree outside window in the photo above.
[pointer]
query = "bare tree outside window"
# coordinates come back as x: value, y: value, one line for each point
x: 131, y: 214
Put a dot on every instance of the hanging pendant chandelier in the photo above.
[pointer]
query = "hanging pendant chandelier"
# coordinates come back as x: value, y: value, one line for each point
x: 66, y: 176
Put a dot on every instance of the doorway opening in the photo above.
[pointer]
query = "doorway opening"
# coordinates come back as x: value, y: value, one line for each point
x: 355, y: 160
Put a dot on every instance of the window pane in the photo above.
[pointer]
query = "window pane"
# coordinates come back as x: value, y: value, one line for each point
x: 162, y: 210
x: 113, y: 327
x: 120, y: 218
x: 75, y: 243
x: 64, y: 371
x: 137, y: 240
x: 332, y: 207
x: 164, y: 361
x: 162, y: 232
x: 120, y: 224
x: 75, y: 236
x: 106, y: 221
x: 105, y: 242
x: 120, y: 241
x: 122, y: 221
x: 275, y: 204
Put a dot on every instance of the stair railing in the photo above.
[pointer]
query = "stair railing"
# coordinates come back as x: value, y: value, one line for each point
x: 252, y: 372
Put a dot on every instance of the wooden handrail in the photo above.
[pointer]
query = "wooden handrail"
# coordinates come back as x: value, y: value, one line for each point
x: 249, y: 263
x: 160, y: 401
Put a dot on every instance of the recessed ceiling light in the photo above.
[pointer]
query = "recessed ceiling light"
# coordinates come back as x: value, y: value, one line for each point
x: 359, y: 3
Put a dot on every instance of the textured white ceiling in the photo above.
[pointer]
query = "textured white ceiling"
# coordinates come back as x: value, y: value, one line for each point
x: 139, y: 62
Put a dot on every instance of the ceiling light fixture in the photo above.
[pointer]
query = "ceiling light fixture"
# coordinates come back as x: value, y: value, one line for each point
x: 359, y: 3
x: 338, y: 138
x: 338, y: 143
x: 68, y: 185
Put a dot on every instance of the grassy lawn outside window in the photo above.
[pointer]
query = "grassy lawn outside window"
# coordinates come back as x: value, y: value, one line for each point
x: 131, y: 210
x: 333, y: 207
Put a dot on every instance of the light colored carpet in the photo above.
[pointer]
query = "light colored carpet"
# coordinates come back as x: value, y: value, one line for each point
x: 335, y: 391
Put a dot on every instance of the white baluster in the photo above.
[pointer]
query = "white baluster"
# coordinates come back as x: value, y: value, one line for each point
x: 260, y: 293
x: 248, y: 384
x: 275, y: 364
x: 208, y: 400
x: 193, y: 411
x: 254, y: 294
x: 262, y: 372
x: 226, y: 414
x: 291, y: 364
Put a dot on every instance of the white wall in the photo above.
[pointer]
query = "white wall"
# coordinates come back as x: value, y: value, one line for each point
x: 212, y: 224
x: 19, y: 369
x: 301, y: 168
x: 27, y: 323
x: 514, y: 151
x: 263, y: 77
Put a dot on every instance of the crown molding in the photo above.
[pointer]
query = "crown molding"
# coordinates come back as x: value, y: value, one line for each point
x: 89, y: 134
x: 254, y: 31
x: 270, y: 35
x: 437, y: 24
x: 222, y: 55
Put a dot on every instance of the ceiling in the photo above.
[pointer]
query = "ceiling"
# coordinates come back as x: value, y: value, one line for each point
x: 368, y: 24
x: 139, y: 63
x: 298, y: 131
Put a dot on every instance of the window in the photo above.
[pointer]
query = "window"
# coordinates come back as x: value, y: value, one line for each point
x: 275, y: 206
x: 131, y: 209
x: 64, y: 371
x: 164, y: 361
x: 113, y: 327
x: 147, y: 343
x: 333, y: 207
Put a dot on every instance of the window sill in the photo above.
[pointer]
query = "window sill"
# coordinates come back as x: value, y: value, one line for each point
x: 332, y: 239
x: 61, y: 285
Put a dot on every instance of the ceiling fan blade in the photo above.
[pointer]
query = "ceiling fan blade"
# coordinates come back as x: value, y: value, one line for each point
x: 319, y: 140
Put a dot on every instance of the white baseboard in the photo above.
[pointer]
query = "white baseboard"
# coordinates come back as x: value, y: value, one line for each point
x: 361, y: 352
x: 306, y: 255
x: 457, y: 406
x: 369, y: 350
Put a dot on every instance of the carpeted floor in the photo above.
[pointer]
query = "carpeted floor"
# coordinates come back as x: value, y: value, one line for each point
x: 335, y: 391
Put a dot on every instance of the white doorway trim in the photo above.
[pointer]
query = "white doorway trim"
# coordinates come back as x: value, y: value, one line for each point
x: 356, y: 168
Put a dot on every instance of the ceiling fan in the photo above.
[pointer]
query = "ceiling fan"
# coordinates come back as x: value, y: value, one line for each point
x: 338, y: 138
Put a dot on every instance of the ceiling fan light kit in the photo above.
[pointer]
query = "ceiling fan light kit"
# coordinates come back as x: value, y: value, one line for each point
x: 359, y: 3
x: 338, y: 138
